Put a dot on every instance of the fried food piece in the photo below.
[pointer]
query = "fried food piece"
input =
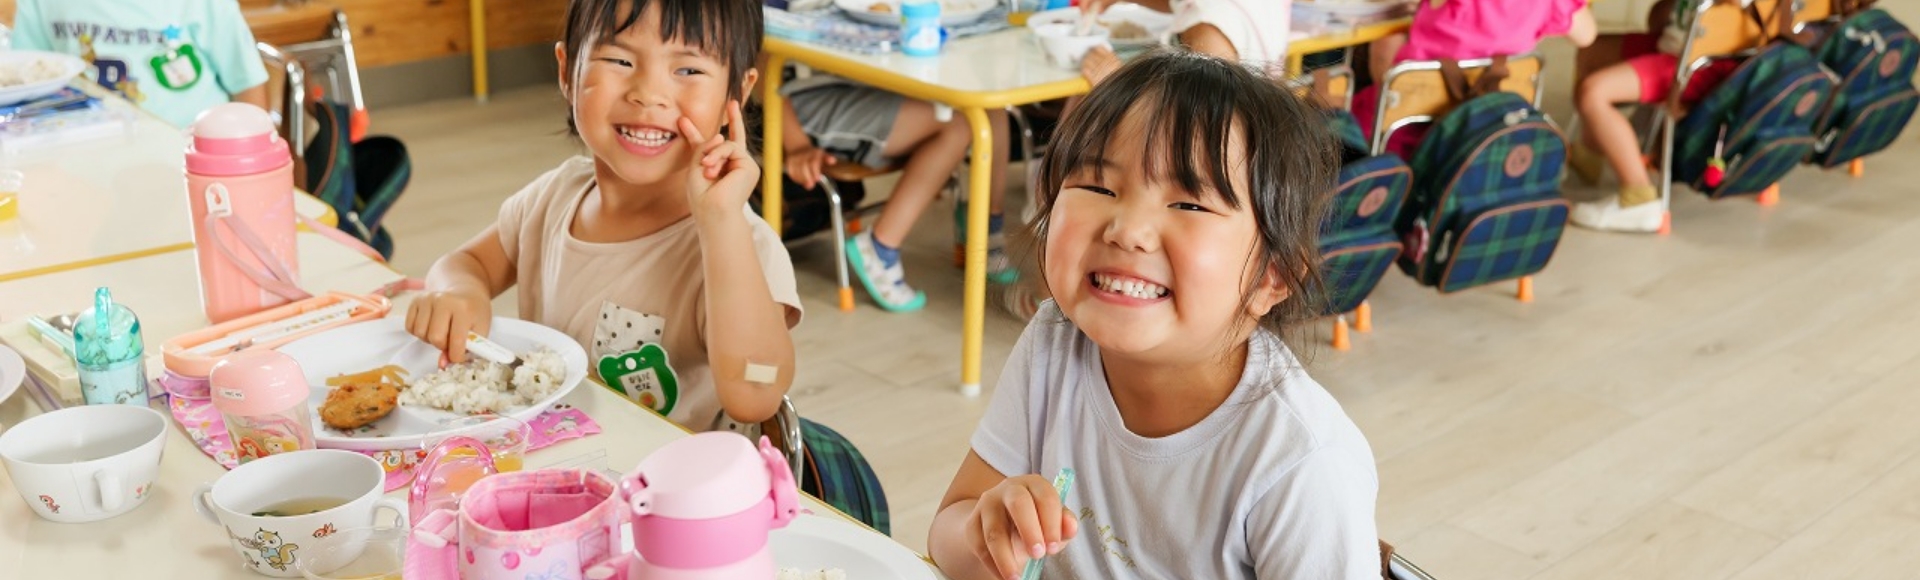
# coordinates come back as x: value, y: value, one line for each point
x: 390, y: 374
x: 880, y: 8
x: 353, y: 405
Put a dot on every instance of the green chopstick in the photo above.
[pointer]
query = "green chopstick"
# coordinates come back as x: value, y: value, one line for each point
x: 1062, y: 483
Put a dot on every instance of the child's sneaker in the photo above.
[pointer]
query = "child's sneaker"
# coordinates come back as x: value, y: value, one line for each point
x: 1608, y: 215
x: 884, y: 278
x: 1000, y: 266
x: 1586, y: 163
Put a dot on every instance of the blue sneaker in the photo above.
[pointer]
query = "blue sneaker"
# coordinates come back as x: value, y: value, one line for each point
x: 886, y: 282
x: 1000, y: 266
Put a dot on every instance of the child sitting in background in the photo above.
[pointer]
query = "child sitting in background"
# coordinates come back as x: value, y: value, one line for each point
x: 1645, y: 76
x: 1250, y: 31
x: 174, y: 58
x: 646, y: 252
x: 830, y: 119
x: 1180, y: 205
x: 1464, y: 30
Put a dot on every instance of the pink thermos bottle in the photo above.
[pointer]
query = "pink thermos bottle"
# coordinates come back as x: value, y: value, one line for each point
x: 703, y: 507
x: 240, y: 191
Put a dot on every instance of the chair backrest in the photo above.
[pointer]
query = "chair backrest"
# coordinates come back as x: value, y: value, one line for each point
x: 1727, y: 28
x: 1331, y: 86
x: 1416, y: 91
x: 287, y: 100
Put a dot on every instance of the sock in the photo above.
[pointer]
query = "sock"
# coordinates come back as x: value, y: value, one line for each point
x: 888, y: 255
x: 1632, y: 195
x: 994, y: 222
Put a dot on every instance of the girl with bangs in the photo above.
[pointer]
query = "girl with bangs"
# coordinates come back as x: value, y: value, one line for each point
x: 1179, y: 209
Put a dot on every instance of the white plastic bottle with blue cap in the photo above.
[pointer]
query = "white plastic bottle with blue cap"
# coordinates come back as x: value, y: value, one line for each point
x: 110, y: 354
x: 920, y: 33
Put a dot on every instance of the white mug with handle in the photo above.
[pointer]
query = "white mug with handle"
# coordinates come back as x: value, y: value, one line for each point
x: 286, y: 507
x: 85, y: 464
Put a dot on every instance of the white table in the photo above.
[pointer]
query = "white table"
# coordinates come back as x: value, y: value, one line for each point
x: 165, y: 538
x: 106, y: 199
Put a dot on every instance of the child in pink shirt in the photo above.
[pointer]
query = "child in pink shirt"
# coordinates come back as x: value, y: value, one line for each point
x: 1469, y: 29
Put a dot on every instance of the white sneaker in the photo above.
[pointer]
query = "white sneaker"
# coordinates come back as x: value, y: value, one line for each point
x: 1609, y: 216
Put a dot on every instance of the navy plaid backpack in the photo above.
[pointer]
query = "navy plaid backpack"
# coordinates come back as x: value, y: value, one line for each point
x: 1357, y: 241
x: 1485, y: 205
x: 1759, y: 120
x: 361, y: 180
x: 1875, y: 57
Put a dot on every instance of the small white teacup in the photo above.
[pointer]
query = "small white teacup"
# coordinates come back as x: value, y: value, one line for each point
x: 283, y: 508
x: 84, y: 464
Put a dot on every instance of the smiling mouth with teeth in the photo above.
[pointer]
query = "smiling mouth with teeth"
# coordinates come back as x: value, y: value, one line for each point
x: 1129, y: 287
x: 644, y: 137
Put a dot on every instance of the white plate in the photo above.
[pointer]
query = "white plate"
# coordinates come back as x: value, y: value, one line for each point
x: 369, y: 345
x: 1156, y: 23
x: 813, y: 542
x: 952, y: 12
x: 65, y: 67
x: 12, y: 372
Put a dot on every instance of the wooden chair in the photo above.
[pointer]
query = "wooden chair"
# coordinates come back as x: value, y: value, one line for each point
x: 1416, y: 92
x: 1333, y: 87
x: 316, y: 33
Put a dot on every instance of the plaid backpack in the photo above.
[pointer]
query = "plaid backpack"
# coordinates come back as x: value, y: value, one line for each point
x: 1875, y: 56
x: 1759, y: 120
x: 1357, y: 241
x: 1486, y: 202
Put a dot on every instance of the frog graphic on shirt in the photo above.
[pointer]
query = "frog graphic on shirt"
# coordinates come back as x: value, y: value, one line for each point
x: 633, y: 359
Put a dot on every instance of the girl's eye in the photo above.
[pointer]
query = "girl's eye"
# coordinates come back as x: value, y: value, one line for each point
x: 1095, y: 189
x: 687, y: 72
x: 1186, y: 206
x: 616, y: 61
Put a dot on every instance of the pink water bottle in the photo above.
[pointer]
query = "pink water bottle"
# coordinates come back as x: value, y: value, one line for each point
x: 703, y: 507
x: 240, y: 190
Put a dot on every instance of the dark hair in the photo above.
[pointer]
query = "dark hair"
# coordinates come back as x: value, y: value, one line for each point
x: 1193, y: 102
x: 730, y: 29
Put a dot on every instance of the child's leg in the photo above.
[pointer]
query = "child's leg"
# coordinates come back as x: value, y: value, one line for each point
x: 933, y: 150
x: 1605, y: 128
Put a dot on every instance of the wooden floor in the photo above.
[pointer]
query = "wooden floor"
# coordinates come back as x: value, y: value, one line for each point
x: 1734, y: 401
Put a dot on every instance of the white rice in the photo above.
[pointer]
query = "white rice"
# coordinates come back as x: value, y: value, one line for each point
x: 479, y: 386
x: 821, y: 574
x: 28, y: 72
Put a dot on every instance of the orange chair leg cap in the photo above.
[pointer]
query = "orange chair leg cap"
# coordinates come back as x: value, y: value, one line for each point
x: 1526, y: 289
x: 357, y: 125
x: 846, y: 300
x: 1363, y: 317
x: 1666, y: 223
x: 1857, y: 167
x: 1769, y: 196
x: 853, y: 225
x: 1340, y: 339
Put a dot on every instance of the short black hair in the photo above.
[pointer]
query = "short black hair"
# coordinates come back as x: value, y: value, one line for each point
x: 1193, y: 102
x: 730, y: 29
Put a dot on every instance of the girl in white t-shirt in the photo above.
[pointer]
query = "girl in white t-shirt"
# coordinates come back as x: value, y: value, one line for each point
x: 1180, y: 205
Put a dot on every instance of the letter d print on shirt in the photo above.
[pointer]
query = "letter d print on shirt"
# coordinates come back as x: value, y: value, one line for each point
x: 632, y: 359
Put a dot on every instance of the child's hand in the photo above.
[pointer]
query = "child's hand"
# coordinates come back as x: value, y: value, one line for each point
x: 1098, y: 64
x: 725, y: 174
x: 807, y: 167
x: 1096, y: 7
x: 1018, y: 520
x: 443, y: 319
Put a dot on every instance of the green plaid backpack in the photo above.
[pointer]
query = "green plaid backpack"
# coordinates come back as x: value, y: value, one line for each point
x: 1485, y: 205
x: 1357, y: 241
x: 1759, y: 121
x: 1875, y: 57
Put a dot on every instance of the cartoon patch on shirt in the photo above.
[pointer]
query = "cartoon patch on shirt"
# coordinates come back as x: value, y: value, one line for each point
x: 632, y: 358
x: 178, y: 65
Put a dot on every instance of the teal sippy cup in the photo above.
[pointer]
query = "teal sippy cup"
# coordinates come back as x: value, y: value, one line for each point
x: 107, y: 348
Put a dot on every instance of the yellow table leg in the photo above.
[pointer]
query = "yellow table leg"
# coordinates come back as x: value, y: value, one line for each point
x: 973, y: 326
x: 772, y: 115
x: 477, y: 26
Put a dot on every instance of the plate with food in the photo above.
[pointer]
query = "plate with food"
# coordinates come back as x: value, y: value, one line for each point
x: 826, y: 547
x: 374, y: 386
x: 31, y: 74
x: 887, y: 12
x: 1129, y: 26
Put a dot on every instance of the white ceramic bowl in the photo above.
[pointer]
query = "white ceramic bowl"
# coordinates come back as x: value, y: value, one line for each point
x: 13, y: 371
x: 1144, y: 27
x: 55, y: 70
x: 952, y: 12
x: 1064, y: 48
